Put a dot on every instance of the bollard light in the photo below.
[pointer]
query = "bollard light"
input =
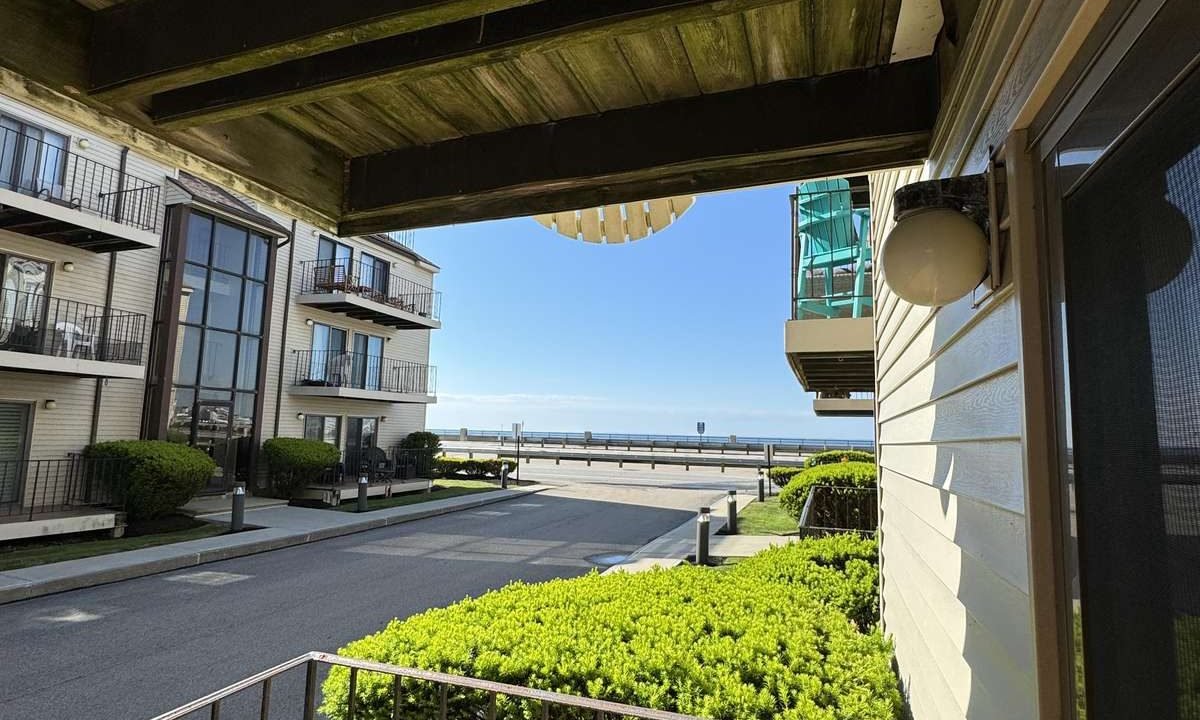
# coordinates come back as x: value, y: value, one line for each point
x: 762, y: 484
x: 504, y: 475
x: 731, y: 512
x: 362, y: 493
x: 702, y: 521
x: 237, y: 515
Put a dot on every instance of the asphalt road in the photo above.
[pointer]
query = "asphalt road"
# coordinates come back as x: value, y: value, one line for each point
x: 137, y: 648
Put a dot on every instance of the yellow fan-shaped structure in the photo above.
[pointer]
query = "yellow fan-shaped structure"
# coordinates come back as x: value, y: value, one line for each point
x: 617, y: 223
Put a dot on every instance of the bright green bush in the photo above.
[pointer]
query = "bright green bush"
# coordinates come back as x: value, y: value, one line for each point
x: 847, y: 474
x: 829, y: 457
x: 841, y: 570
x: 159, y: 476
x: 781, y: 475
x: 726, y: 645
x: 295, y: 462
x: 422, y: 440
x: 474, y: 468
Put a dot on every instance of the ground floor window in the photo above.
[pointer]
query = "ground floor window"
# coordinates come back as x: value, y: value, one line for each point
x: 326, y: 428
x: 14, y: 435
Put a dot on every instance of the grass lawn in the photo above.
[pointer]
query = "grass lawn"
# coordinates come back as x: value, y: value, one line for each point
x: 765, y: 518
x: 441, y: 489
x: 26, y: 553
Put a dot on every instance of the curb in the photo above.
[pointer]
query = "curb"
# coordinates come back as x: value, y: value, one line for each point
x: 36, y: 589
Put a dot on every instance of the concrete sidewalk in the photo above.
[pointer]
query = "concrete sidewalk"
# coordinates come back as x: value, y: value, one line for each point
x: 280, y: 527
x: 673, y: 547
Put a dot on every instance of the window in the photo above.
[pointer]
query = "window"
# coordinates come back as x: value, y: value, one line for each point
x: 328, y: 359
x: 368, y: 359
x: 221, y: 310
x: 32, y: 159
x: 374, y: 275
x: 23, y: 299
x: 326, y: 428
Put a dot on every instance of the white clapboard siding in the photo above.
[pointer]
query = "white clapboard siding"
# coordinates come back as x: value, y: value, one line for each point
x: 953, y: 553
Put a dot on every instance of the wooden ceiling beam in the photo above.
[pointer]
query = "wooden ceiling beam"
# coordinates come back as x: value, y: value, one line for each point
x: 846, y: 122
x: 139, y: 48
x: 535, y: 28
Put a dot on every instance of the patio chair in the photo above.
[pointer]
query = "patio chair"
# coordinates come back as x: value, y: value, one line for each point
x: 383, y: 467
x: 330, y: 278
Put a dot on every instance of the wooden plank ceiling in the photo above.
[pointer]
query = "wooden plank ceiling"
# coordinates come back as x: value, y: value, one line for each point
x: 397, y: 84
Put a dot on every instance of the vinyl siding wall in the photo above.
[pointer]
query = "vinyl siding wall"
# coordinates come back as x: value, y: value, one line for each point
x: 955, y: 588
x: 67, y: 428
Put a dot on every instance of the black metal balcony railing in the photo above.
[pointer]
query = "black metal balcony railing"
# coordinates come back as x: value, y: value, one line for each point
x: 369, y: 281
x: 830, y: 509
x: 32, y: 487
x: 34, y: 167
x: 46, y: 325
x: 360, y: 371
x: 379, y: 466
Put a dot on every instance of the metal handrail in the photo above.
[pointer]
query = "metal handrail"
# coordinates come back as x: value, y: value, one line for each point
x: 66, y: 178
x: 362, y: 371
x: 834, y: 509
x: 371, y: 282
x: 312, y: 660
x: 668, y: 441
x: 47, y: 325
x: 37, y: 486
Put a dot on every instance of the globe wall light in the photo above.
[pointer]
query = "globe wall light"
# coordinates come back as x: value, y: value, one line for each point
x: 937, y: 252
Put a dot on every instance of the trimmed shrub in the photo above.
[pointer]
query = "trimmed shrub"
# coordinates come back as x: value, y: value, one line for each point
x: 470, y: 468
x: 422, y: 440
x: 295, y: 462
x: 717, y: 644
x: 847, y: 474
x: 781, y: 475
x: 841, y: 570
x: 830, y: 457
x: 160, y: 476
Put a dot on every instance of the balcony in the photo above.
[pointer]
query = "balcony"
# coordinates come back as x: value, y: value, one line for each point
x: 59, y: 496
x: 844, y: 404
x: 829, y: 339
x: 358, y: 376
x: 44, y: 334
x: 366, y: 292
x: 49, y: 192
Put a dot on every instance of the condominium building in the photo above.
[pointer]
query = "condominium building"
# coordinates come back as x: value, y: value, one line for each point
x: 140, y: 301
x: 1032, y: 351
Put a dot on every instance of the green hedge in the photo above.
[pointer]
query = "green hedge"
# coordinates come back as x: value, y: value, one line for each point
x: 727, y: 645
x: 781, y: 475
x: 293, y: 463
x: 840, y: 570
x: 160, y: 476
x: 450, y: 467
x: 422, y: 440
x: 830, y: 457
x: 847, y: 474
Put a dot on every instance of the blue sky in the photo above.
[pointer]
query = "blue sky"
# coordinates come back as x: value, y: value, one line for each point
x: 647, y: 337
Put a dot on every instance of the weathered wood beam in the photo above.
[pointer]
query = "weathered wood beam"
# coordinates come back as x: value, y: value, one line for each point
x: 841, y: 123
x: 46, y: 40
x: 139, y: 48
x: 539, y: 27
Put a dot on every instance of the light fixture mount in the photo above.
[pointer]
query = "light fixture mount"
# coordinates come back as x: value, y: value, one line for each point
x: 939, y: 250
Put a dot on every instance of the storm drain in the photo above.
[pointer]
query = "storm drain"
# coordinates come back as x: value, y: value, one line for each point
x: 607, y: 559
